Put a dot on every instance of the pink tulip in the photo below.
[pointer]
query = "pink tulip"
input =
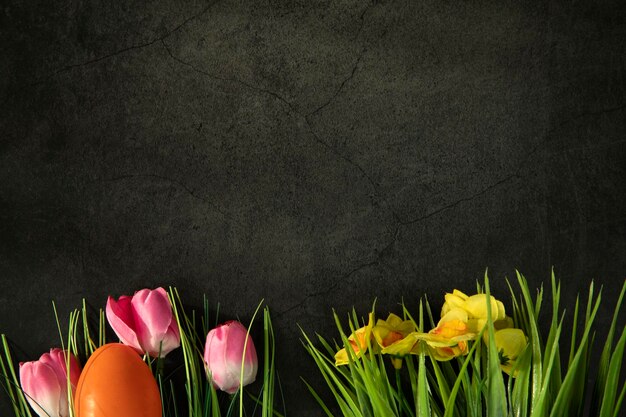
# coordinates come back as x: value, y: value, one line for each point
x: 223, y: 354
x: 44, y: 383
x: 145, y: 322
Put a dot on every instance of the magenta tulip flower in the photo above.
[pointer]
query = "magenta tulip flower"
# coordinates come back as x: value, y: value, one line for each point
x: 145, y: 322
x: 44, y: 383
x: 223, y: 354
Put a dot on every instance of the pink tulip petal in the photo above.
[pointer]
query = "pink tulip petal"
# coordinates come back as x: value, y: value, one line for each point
x: 223, y: 355
x: 154, y: 310
x: 41, y: 386
x: 120, y: 316
x: 237, y: 339
x: 154, y: 322
x: 56, y: 361
x: 173, y: 329
x: 213, y: 354
x: 59, y: 364
x: 171, y: 339
x: 219, y: 367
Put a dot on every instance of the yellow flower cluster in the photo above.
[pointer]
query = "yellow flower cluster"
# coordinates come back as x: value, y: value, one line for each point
x: 463, y: 317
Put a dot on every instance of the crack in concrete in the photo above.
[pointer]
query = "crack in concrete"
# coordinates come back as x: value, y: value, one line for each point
x: 375, y: 187
x: 130, y: 48
x: 398, y: 222
x: 341, y: 86
x: 329, y: 289
x: 228, y: 79
x: 585, y: 114
x: 461, y: 200
x: 376, y: 262
x: 515, y: 174
x: 293, y: 110
x: 339, y: 154
x: 101, y: 58
x: 307, y: 122
x: 518, y: 169
x: 362, y: 19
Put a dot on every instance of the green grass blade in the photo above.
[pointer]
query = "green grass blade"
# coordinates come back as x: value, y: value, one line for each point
x: 567, y: 397
x: 572, y: 351
x: 613, y: 377
x: 449, y: 408
x: 620, y: 400
x: 603, y: 368
x: 423, y: 403
x: 535, y: 342
x: 496, y: 398
x: 13, y: 382
x: 318, y: 399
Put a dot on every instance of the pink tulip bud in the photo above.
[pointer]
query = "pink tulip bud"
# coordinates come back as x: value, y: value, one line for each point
x: 44, y: 383
x: 223, y: 354
x: 145, y: 322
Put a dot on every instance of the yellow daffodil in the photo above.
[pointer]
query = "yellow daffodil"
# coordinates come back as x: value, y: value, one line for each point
x: 505, y: 323
x: 406, y: 346
x: 446, y: 341
x: 454, y: 300
x: 449, y: 338
x: 448, y: 352
x: 510, y: 344
x: 359, y: 341
x: 476, y: 308
x: 387, y: 332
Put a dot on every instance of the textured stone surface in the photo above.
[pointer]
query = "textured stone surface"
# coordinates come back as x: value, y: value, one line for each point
x: 316, y: 154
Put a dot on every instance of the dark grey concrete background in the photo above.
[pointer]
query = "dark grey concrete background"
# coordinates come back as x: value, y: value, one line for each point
x: 316, y: 154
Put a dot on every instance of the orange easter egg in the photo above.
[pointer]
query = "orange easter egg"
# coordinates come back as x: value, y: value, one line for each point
x: 115, y: 382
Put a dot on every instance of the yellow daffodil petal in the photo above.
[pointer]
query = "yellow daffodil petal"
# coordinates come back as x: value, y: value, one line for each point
x: 454, y: 300
x: 440, y: 341
x: 448, y: 333
x: 456, y: 314
x: 476, y: 325
x: 476, y: 307
x: 501, y: 311
x: 403, y: 347
x: 359, y: 341
x: 452, y: 324
x: 510, y: 344
x: 385, y: 337
x: 393, y: 320
x: 508, y: 368
x: 387, y: 332
x: 341, y: 357
x: 447, y: 353
x: 511, y: 341
x: 460, y: 294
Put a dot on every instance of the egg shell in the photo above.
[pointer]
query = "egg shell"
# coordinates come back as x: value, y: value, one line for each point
x: 115, y: 382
